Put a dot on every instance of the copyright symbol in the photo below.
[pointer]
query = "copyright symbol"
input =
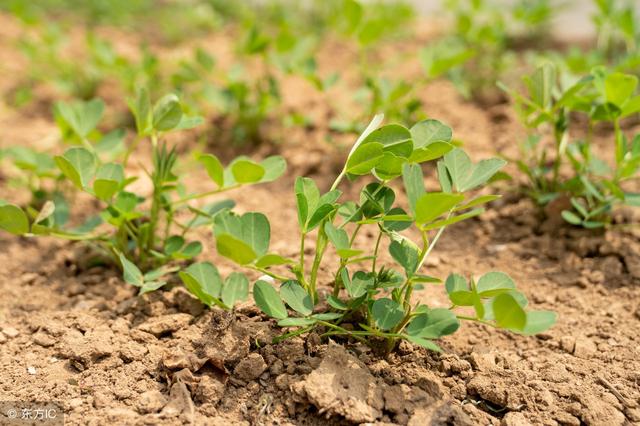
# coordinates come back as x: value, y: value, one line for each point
x: 12, y: 414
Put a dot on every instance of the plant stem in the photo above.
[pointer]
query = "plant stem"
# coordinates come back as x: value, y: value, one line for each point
x: 205, y: 194
x: 321, y: 247
x: 303, y: 237
x: 478, y: 320
x: 375, y: 252
x: 620, y: 148
x: 561, y: 140
x: 269, y: 273
x: 342, y: 330
x: 130, y: 151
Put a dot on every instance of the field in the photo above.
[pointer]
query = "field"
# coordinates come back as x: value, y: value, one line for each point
x: 323, y: 213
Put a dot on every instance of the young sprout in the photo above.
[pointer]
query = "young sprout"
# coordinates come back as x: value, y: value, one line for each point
x: 370, y: 301
x: 147, y: 235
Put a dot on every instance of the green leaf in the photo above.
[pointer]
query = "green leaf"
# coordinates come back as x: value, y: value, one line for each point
x: 482, y: 172
x: 459, y: 167
x: 296, y: 322
x: 271, y: 259
x: 483, y: 199
x: 131, y: 273
x: 242, y: 238
x: 203, y: 280
x: 247, y: 171
x: 406, y: 253
x: 452, y: 220
x: 458, y: 290
x: 327, y: 316
x: 108, y: 180
x: 173, y: 244
x: 296, y: 297
x: 359, y: 284
x: 214, y: 168
x: 337, y: 236
x: 386, y: 313
x: 456, y: 282
x: 427, y: 132
x: 13, y: 219
x: 274, y: 167
x: 189, y: 251
x: 307, y: 197
x: 45, y: 212
x: 78, y: 165
x: 235, y: 249
x: 268, y: 300
x: 394, y: 138
x: 187, y: 123
x: 539, y: 321
x: 413, y: 184
x: 434, y: 204
x: 321, y: 213
x: 389, y: 166
x: 428, y: 344
x: 508, y: 313
x: 235, y: 289
x: 336, y: 303
x: 82, y: 117
x: 541, y: 85
x: 167, y: 113
x: 444, y: 177
x: 619, y: 88
x: 141, y: 109
x: 364, y: 158
x: 433, y: 151
x: 433, y: 324
x: 571, y: 217
x: 150, y: 286
x: 493, y: 283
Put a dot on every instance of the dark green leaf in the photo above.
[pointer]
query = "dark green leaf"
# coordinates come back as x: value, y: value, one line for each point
x: 131, y: 273
x: 167, y: 113
x: 268, y: 300
x: 296, y: 297
x: 433, y: 324
x: 235, y: 289
x: 386, y: 313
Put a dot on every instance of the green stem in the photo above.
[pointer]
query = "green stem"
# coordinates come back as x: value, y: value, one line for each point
x: 204, y: 194
x: 269, y: 273
x: 342, y: 330
x: 321, y: 247
x: 620, y: 148
x: 302, y: 243
x: 560, y: 139
x: 130, y: 151
x: 375, y: 252
x: 478, y: 320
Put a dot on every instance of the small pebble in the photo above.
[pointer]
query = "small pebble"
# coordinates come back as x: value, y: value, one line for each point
x: 31, y: 370
x: 10, y: 332
x: 43, y: 340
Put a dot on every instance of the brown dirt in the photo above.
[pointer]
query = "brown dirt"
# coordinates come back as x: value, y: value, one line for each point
x: 82, y: 338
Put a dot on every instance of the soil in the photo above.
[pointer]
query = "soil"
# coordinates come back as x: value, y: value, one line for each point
x: 82, y: 338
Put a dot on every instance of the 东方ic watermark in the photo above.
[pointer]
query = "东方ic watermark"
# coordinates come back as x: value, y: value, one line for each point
x: 31, y: 413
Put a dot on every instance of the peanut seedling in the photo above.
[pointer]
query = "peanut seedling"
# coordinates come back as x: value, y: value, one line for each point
x: 369, y: 301
x: 593, y: 187
x: 145, y: 234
